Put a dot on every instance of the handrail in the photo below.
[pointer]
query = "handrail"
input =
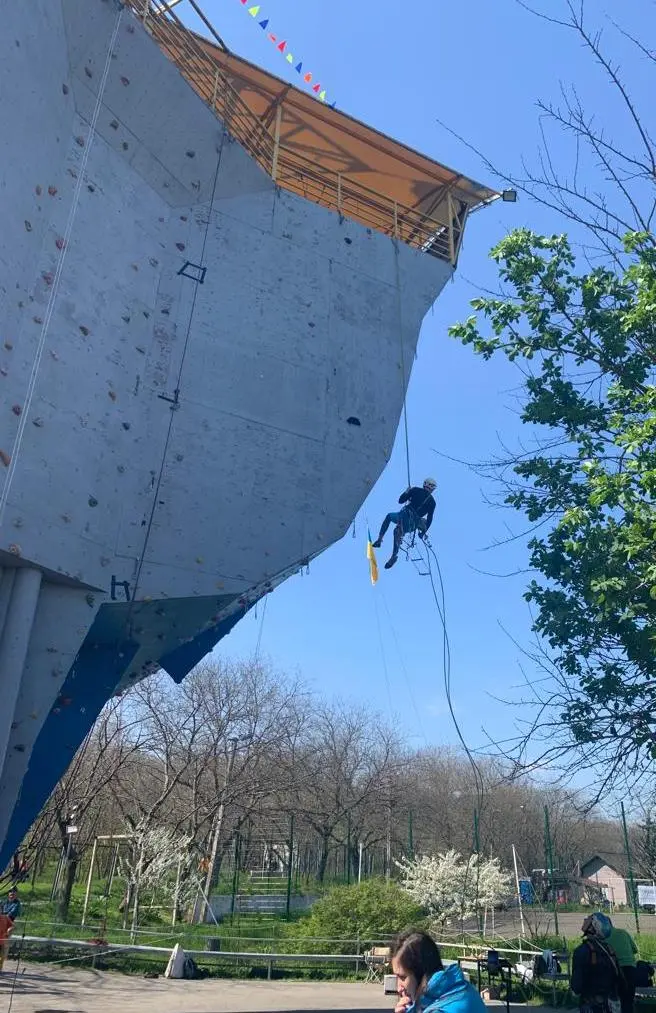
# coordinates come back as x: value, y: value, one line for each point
x: 292, y: 171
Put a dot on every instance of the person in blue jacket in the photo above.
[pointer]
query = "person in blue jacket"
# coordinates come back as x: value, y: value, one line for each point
x: 424, y: 984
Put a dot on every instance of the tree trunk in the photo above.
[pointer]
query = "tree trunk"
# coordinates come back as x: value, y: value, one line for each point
x: 323, y: 859
x: 66, y: 888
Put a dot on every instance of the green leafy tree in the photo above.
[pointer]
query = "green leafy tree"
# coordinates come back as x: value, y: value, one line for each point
x: 367, y: 911
x: 587, y: 345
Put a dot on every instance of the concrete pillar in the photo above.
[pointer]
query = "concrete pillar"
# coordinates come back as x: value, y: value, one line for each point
x: 14, y: 642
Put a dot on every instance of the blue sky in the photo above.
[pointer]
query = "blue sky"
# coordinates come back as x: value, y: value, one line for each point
x: 480, y: 68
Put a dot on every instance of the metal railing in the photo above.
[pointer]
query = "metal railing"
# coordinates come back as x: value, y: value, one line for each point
x: 288, y: 168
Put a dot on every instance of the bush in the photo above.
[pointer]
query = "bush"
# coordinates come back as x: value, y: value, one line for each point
x: 368, y: 910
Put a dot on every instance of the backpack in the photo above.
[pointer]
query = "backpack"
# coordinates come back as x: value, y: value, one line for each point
x: 644, y: 974
x: 545, y: 963
x: 190, y: 968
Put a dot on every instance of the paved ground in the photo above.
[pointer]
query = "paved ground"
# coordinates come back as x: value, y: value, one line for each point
x: 507, y: 923
x: 43, y: 989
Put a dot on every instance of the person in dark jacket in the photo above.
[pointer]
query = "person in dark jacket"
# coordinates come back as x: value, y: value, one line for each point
x: 424, y: 984
x: 595, y: 971
x: 416, y: 515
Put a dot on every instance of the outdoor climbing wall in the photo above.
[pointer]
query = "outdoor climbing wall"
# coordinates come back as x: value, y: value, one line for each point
x: 202, y: 376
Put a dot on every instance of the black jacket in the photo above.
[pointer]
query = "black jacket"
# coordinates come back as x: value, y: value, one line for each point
x: 422, y: 503
x: 594, y: 970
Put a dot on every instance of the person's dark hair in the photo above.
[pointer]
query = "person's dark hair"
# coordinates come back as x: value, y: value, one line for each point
x: 418, y: 954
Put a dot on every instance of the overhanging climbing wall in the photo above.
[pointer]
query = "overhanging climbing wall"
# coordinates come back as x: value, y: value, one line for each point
x: 182, y: 347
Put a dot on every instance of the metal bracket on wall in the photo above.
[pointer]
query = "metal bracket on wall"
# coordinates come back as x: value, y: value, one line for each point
x: 120, y: 583
x: 174, y: 400
x: 193, y: 271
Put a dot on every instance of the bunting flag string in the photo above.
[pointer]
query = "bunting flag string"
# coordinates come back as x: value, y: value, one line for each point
x: 282, y: 47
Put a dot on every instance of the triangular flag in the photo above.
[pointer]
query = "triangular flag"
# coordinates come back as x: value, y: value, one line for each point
x: 281, y: 47
x: 308, y: 78
x: 265, y: 23
x: 290, y: 58
x: 244, y: 1
x: 254, y: 11
x: 274, y: 38
x: 323, y: 96
x: 299, y: 67
x: 317, y: 88
x: 332, y: 105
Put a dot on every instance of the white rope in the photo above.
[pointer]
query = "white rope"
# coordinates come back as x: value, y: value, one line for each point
x: 403, y: 370
x: 4, y: 496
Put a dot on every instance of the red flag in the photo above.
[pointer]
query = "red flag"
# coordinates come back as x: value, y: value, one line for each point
x: 317, y: 88
x: 281, y: 47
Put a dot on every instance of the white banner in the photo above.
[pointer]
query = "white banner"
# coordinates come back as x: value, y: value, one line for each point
x: 647, y: 895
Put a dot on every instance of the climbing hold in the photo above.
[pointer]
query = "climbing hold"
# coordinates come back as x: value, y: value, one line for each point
x: 90, y: 188
x: 130, y: 29
x: 34, y: 715
x: 180, y: 246
x: 88, y: 72
x: 112, y: 394
x: 60, y: 243
x: 15, y: 549
x: 126, y: 425
x: 38, y: 422
x: 48, y: 277
x: 84, y: 330
x: 19, y: 749
x: 66, y: 518
x: 5, y: 458
x: 90, y: 599
x: 3, y: 371
x: 79, y: 140
x: 54, y: 355
x: 125, y: 319
x: 71, y: 172
x: 37, y: 320
x: 183, y: 218
x: 16, y: 409
x: 190, y: 154
x: 125, y: 145
x: 93, y: 502
x: 353, y: 420
x: 38, y: 190
x: 199, y: 559
x: 65, y: 89
x: 125, y: 81
x: 114, y: 124
x: 28, y: 226
x: 135, y: 267
x: 153, y: 261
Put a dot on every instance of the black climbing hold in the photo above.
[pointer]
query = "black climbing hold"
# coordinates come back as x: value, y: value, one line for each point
x: 347, y: 240
x: 126, y: 425
x: 353, y: 421
x: 93, y: 502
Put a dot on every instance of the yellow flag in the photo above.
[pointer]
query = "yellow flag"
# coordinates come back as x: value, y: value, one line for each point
x: 371, y: 556
x: 254, y: 11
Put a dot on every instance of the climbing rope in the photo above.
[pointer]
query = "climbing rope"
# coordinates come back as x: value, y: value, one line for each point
x: 399, y: 308
x: 38, y: 355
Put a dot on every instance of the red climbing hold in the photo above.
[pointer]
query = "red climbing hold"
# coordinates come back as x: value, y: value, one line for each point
x: 60, y: 243
x: 48, y: 277
x: 52, y: 190
x: 5, y: 458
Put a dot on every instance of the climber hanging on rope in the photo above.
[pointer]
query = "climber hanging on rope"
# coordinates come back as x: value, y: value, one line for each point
x: 416, y: 515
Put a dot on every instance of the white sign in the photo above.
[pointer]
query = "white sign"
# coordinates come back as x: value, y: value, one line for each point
x: 71, y: 830
x: 647, y: 895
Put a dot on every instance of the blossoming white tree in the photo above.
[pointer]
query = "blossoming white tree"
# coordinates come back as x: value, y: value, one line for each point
x: 452, y: 887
